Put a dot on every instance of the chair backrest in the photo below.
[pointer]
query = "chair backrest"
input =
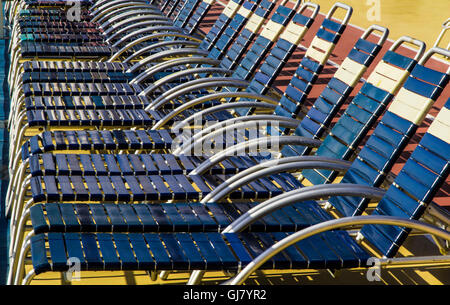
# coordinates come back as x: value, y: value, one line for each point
x: 365, y: 109
x: 397, y: 126
x: 193, y: 23
x: 415, y: 186
x: 286, y: 45
x: 233, y: 29
x: 319, y: 117
x: 312, y: 64
x: 170, y: 7
x: 283, y: 50
x: 221, y: 24
x: 264, y: 42
x: 189, y: 9
x: 247, y: 35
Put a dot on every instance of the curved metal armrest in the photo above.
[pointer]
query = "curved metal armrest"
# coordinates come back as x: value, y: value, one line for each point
x: 101, y: 4
x: 209, y: 71
x: 206, y: 98
x: 135, y: 22
x: 102, y: 8
x: 329, y: 226
x: 198, y: 84
x: 314, y: 192
x: 125, y: 16
x: 176, y: 91
x: 122, y: 9
x: 254, y: 145
x: 148, y: 30
x: 235, y: 105
x: 205, y: 133
x: 272, y: 167
x: 162, y: 44
x: 170, y: 64
x: 183, y: 73
x: 168, y: 53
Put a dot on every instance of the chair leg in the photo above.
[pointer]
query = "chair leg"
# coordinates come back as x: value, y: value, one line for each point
x: 196, y: 277
x: 164, y: 275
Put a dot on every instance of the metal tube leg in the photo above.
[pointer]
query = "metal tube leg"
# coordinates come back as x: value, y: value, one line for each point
x: 16, y: 258
x: 16, y: 240
x: 164, y: 275
x: 196, y: 277
x: 27, y: 280
x: 21, y: 263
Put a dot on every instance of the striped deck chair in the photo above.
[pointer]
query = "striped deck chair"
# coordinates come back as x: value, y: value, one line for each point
x: 140, y: 117
x: 323, y: 246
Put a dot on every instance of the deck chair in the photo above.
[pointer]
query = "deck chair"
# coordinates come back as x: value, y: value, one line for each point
x: 357, y: 52
x: 261, y: 188
x: 323, y: 246
x: 252, y: 61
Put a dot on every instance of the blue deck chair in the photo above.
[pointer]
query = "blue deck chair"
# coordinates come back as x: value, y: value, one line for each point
x: 369, y: 52
x: 325, y: 247
x: 140, y: 117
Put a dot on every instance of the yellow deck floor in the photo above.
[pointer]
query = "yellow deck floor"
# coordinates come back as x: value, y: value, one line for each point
x: 421, y: 19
